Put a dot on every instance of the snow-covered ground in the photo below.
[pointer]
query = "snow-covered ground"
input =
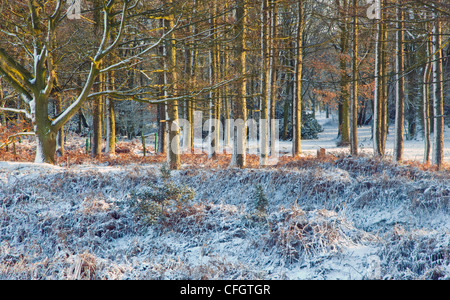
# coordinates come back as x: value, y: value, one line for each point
x: 413, y: 149
x: 351, y: 219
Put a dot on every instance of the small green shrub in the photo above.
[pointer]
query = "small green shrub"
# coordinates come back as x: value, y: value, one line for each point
x: 260, y: 200
x: 157, y: 201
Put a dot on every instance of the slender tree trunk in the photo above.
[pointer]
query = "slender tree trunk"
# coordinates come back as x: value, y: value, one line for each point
x: 345, y: 78
x: 240, y: 105
x: 173, y: 156
x: 426, y: 105
x: 111, y: 120
x: 59, y: 109
x: 226, y: 104
x: 273, y: 75
x: 265, y: 84
x: 2, y: 104
x: 98, y: 101
x: 384, y: 77
x: 400, y: 96
x: 380, y: 91
x: 438, y: 97
x: 213, y: 95
x: 97, y: 121
x: 297, y: 107
x: 354, y: 104
x: 161, y: 107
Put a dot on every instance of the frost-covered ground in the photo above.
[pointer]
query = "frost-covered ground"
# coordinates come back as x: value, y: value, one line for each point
x: 349, y: 219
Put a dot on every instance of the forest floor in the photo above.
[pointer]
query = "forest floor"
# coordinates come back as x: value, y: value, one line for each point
x: 334, y: 217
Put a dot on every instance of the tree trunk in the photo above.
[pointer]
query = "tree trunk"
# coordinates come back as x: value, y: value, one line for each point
x: 379, y: 96
x: 45, y: 135
x: 384, y: 65
x: 2, y: 104
x: 273, y: 76
x: 297, y: 104
x: 240, y: 105
x: 345, y: 79
x: 354, y: 103
x: 173, y: 156
x: 426, y: 105
x: 214, y: 134
x: 59, y: 109
x: 400, y: 96
x: 438, y: 97
x: 97, y: 121
x: 98, y: 101
x: 265, y: 84
x: 111, y: 120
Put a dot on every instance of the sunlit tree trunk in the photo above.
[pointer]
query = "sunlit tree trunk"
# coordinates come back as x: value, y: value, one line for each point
x: 173, y: 149
x: 240, y: 104
x: 297, y: 104
x: 111, y: 120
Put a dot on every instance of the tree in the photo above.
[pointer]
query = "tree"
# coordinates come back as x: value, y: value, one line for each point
x: 354, y: 102
x: 438, y: 96
x: 173, y: 127
x: 240, y: 104
x: 344, y: 77
x: 297, y: 104
x: 426, y: 100
x: 380, y: 95
x: 36, y: 81
x: 400, y: 95
x: 265, y: 82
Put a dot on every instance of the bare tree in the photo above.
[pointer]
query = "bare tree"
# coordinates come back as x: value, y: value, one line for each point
x: 36, y: 81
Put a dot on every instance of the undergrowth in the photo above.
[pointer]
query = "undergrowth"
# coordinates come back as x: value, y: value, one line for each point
x: 157, y: 201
